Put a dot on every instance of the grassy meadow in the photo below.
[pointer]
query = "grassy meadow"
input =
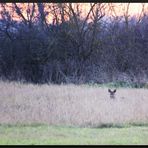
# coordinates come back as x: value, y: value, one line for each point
x: 72, y: 114
x: 62, y: 135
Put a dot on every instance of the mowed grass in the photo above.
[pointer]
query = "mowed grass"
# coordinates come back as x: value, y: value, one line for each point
x: 58, y: 135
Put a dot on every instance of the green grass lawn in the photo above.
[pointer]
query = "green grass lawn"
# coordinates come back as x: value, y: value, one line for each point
x: 60, y: 135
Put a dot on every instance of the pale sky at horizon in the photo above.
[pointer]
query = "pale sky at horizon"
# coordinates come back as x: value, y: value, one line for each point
x: 134, y: 8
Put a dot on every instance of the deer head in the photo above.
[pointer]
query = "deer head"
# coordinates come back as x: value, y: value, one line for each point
x: 112, y: 93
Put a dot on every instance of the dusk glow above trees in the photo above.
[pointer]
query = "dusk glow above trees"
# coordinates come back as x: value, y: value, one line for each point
x: 110, y: 9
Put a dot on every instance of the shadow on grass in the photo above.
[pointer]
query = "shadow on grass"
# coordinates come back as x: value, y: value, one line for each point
x: 107, y: 125
x: 110, y: 125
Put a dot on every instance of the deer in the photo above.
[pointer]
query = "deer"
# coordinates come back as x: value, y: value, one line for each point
x: 112, y: 93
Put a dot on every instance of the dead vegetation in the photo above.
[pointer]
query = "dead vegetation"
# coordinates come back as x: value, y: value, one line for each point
x: 76, y: 105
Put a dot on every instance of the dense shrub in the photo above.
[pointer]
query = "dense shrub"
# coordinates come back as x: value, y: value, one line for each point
x: 56, y: 54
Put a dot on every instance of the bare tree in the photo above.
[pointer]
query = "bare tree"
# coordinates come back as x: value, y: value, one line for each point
x: 126, y: 14
x: 95, y: 13
x: 30, y: 12
x: 142, y: 13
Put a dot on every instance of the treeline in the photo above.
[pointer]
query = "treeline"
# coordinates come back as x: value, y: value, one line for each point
x: 72, y: 49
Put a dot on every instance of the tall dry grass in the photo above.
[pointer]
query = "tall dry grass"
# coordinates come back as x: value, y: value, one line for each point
x: 70, y: 105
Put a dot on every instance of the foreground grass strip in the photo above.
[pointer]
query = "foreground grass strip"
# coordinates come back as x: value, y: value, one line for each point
x: 59, y: 135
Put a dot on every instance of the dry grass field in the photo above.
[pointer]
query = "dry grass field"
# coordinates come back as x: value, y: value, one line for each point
x: 71, y: 105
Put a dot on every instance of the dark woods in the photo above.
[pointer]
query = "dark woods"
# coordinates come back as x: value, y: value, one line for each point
x: 72, y: 49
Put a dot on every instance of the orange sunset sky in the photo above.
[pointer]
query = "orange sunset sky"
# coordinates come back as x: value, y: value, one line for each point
x: 120, y: 8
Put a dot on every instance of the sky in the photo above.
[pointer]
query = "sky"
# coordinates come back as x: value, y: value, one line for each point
x: 134, y: 8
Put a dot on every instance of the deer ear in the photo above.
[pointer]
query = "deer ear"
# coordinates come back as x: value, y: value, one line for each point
x: 114, y: 90
x: 109, y: 90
